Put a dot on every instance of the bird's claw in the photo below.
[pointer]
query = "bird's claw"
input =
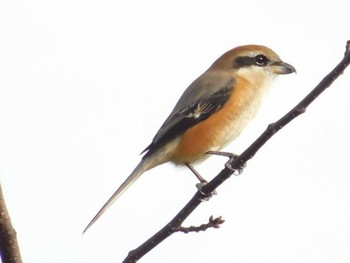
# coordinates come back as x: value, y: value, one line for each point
x: 235, y: 171
x: 206, y: 196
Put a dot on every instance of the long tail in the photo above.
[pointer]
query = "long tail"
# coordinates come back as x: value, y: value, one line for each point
x: 142, y: 167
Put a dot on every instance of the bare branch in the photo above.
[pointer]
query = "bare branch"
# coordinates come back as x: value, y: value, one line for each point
x: 236, y: 164
x: 9, y: 249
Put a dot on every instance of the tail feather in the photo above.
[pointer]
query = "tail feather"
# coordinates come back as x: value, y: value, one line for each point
x: 143, y: 166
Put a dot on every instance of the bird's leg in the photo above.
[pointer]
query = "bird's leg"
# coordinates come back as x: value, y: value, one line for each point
x: 194, y: 171
x: 226, y: 154
x: 201, y: 183
x: 231, y: 157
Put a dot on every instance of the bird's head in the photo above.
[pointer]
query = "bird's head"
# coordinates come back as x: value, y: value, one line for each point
x: 252, y: 58
x: 254, y: 64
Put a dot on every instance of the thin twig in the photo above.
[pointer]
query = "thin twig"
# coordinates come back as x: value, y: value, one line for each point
x: 213, y: 223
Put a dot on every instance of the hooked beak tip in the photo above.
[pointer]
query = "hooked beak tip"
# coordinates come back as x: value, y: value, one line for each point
x: 283, y: 68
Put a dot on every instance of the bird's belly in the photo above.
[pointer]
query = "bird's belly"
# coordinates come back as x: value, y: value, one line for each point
x: 215, y: 132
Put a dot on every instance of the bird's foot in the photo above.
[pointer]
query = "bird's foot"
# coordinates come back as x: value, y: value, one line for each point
x: 206, y: 196
x: 201, y: 184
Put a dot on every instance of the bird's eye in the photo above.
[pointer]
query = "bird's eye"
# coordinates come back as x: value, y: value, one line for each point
x: 261, y: 60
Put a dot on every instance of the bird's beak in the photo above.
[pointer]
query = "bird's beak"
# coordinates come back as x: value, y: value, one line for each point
x: 281, y: 67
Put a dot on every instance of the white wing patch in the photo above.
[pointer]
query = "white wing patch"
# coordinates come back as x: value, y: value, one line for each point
x: 202, y: 108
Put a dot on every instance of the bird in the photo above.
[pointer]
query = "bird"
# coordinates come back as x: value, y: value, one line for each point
x: 211, y: 112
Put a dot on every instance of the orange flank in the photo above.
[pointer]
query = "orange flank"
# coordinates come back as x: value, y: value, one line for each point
x: 220, y: 128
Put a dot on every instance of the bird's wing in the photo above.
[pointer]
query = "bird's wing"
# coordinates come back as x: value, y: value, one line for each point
x: 201, y: 99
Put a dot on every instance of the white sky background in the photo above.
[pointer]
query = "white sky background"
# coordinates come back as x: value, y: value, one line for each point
x: 84, y: 86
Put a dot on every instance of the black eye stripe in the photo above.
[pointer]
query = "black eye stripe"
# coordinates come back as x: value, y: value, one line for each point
x: 246, y: 61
